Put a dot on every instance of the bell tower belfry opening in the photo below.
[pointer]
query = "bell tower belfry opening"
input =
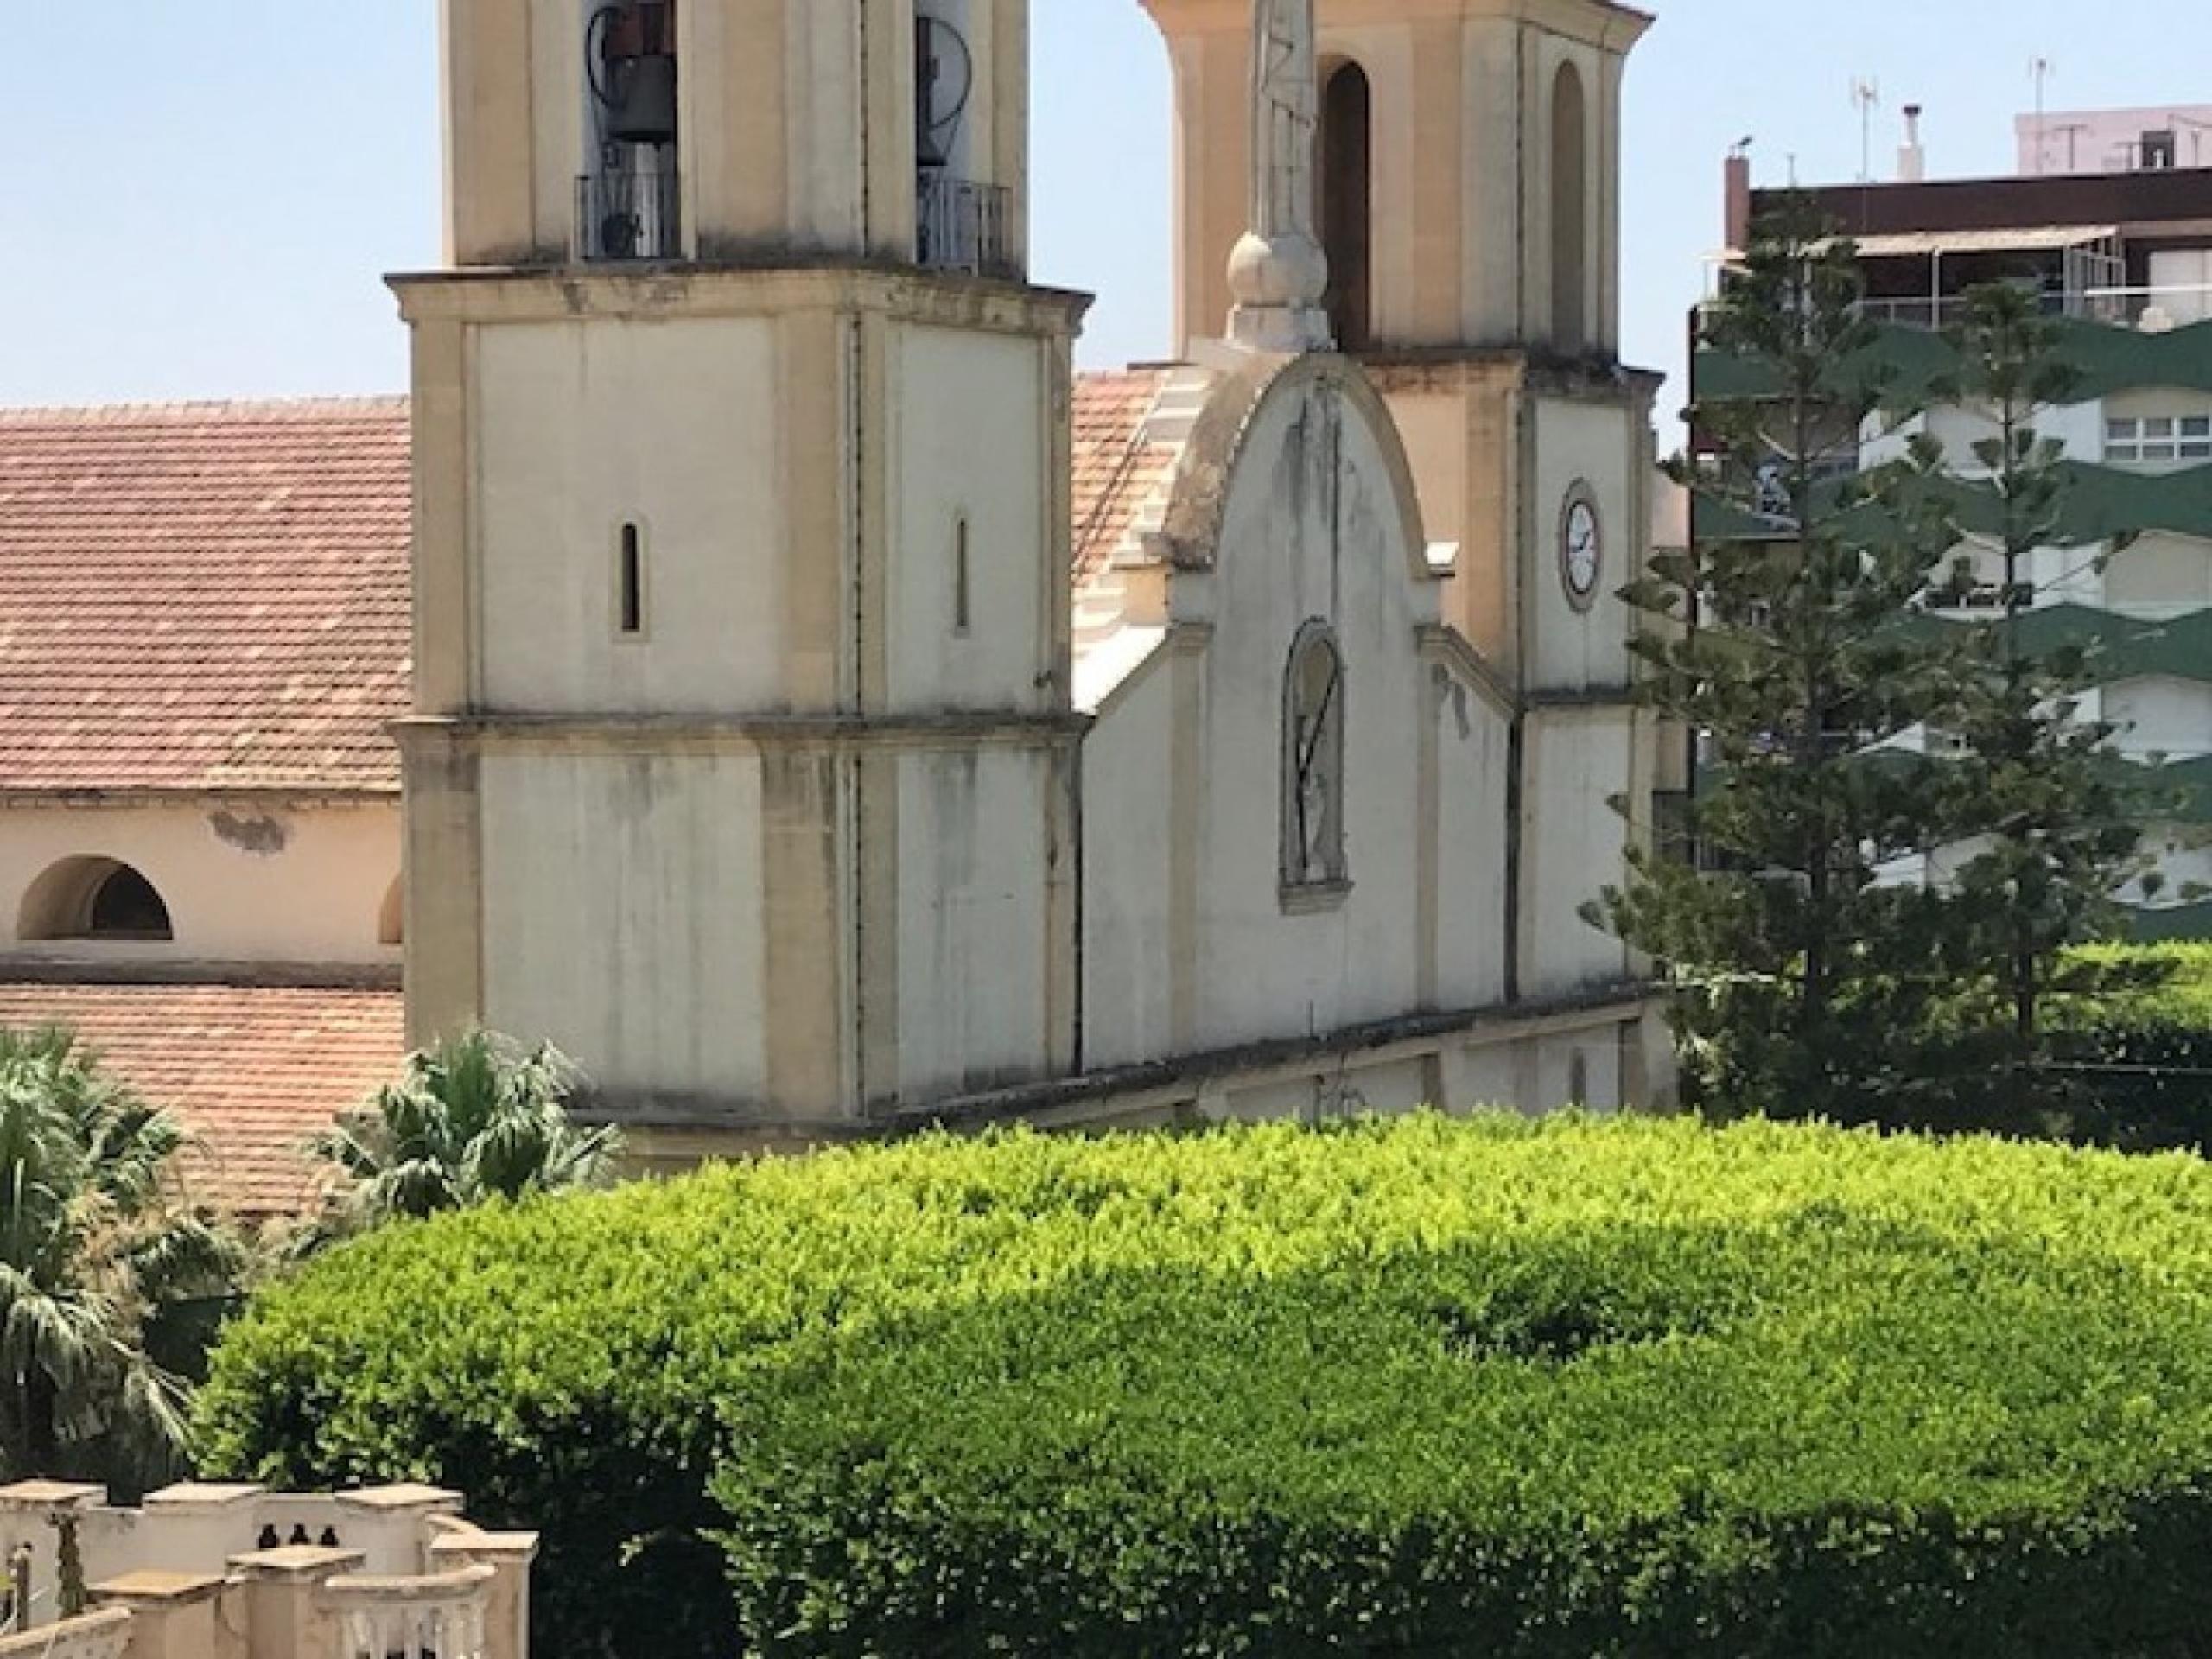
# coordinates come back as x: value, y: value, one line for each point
x: 709, y: 130
x: 740, y: 760
x: 1347, y: 168
x: 1484, y: 121
x: 1466, y: 159
x: 629, y: 204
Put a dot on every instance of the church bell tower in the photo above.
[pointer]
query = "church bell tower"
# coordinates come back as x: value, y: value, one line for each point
x: 1468, y: 202
x: 741, y: 760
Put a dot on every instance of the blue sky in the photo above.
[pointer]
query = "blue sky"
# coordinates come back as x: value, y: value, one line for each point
x: 204, y: 198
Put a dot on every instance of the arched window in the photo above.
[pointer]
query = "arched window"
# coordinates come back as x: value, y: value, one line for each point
x: 93, y: 898
x: 1313, y: 764
x: 1570, y: 211
x: 1348, y: 203
x: 391, y: 920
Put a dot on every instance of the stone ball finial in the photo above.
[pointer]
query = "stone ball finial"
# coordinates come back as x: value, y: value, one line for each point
x: 1289, y: 270
x: 1278, y: 284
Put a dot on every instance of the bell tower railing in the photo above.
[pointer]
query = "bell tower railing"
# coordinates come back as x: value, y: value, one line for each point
x: 965, y: 226
x: 626, y: 214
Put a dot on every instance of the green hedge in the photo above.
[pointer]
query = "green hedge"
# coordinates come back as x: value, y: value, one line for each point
x: 2134, y: 1063
x: 1491, y: 1389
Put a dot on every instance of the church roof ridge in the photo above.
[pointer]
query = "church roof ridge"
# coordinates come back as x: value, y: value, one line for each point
x: 334, y: 405
x: 157, y: 412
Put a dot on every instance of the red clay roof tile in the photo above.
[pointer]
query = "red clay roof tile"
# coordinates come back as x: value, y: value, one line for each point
x: 1116, y: 469
x: 254, y: 1072
x: 203, y: 596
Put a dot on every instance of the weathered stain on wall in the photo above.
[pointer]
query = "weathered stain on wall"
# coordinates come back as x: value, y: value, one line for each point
x: 261, y: 834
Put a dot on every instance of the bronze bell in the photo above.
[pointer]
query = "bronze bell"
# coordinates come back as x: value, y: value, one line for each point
x: 637, y: 78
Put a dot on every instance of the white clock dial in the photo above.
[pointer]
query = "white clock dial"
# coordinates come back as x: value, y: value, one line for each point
x: 1582, y: 552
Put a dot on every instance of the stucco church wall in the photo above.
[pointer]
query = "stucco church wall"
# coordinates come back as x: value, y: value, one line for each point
x: 1574, y: 844
x: 1128, y: 1005
x: 1475, y: 771
x: 1312, y: 529
x: 1577, y: 1068
x: 244, y: 881
x: 674, y: 425
x: 623, y: 916
x: 970, y: 448
x: 1591, y: 443
x: 972, y: 937
x: 1432, y: 426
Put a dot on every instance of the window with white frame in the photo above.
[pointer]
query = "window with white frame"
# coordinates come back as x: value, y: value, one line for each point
x: 2158, y: 440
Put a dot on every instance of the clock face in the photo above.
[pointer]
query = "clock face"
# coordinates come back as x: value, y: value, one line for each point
x: 1581, y: 548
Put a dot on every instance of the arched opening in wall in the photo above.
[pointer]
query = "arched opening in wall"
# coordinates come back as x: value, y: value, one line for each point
x: 391, y: 920
x: 93, y: 898
x: 1313, y: 765
x: 1570, y: 211
x: 1348, y: 203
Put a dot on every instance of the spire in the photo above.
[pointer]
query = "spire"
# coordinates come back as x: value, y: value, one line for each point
x: 1278, y: 275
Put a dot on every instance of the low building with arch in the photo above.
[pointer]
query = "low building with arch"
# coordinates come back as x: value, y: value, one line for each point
x: 203, y: 635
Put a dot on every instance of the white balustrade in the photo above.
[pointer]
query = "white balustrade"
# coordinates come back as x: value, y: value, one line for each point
x: 96, y: 1636
x: 204, y: 1572
x: 439, y: 1616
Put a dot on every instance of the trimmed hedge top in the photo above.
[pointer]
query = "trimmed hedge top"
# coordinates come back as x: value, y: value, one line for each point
x: 1423, y: 1387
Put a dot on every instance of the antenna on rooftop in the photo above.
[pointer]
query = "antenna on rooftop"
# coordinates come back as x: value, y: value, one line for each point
x: 1867, y: 95
x: 2040, y: 70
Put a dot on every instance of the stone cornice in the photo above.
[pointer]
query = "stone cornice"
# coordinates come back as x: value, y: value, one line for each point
x: 1446, y: 644
x: 905, y: 293
x: 85, y: 969
x: 1126, y: 1093
x: 739, y: 734
x: 1602, y: 24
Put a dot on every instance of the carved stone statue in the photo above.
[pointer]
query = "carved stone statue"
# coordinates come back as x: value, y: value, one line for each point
x: 1278, y: 275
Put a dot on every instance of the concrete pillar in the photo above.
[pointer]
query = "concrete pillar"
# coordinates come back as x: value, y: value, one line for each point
x: 173, y: 1615
x: 509, y: 1555
x: 283, y: 1611
x: 29, y: 1509
x: 377, y: 1514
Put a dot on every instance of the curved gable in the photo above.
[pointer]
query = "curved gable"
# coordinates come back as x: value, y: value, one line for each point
x: 1222, y: 445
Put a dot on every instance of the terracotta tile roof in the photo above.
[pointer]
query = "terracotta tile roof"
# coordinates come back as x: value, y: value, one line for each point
x: 1116, y: 470
x: 203, y: 596
x: 254, y: 1072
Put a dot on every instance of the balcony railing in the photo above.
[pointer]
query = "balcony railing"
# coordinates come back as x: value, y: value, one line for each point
x: 2153, y: 310
x: 629, y: 215
x: 965, y: 227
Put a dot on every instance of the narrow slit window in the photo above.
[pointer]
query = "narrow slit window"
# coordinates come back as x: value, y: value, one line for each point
x: 962, y: 594
x: 632, y: 577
